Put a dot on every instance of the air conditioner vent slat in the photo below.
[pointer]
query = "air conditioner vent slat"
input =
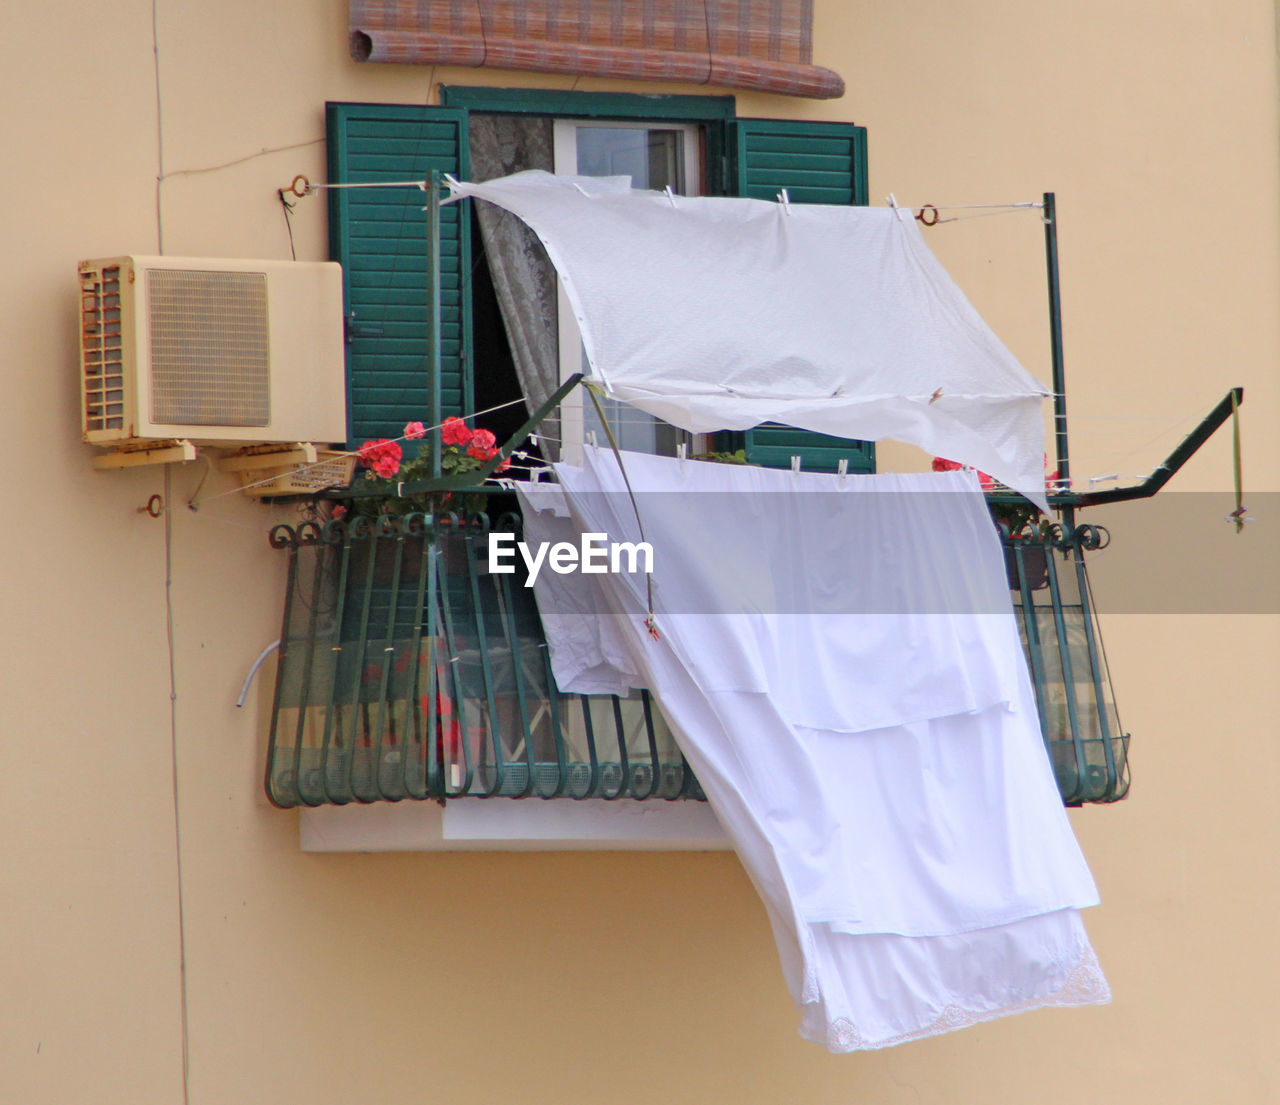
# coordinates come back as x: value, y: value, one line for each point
x: 210, y: 348
x: 100, y: 341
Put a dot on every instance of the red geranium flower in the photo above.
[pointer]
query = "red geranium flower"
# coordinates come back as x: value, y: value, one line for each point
x: 382, y: 456
x: 414, y: 430
x: 941, y: 465
x: 482, y: 445
x: 455, y: 432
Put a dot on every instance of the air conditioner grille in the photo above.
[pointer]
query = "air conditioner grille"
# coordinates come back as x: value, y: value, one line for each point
x: 210, y: 351
x: 100, y: 349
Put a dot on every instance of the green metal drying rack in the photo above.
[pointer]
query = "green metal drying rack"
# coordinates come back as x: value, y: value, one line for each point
x: 1046, y: 561
x: 1057, y: 618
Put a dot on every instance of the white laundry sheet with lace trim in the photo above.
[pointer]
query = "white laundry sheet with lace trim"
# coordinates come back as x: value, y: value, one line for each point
x: 918, y: 870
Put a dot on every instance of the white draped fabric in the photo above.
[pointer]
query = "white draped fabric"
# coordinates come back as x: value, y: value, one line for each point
x: 873, y: 754
x: 855, y: 328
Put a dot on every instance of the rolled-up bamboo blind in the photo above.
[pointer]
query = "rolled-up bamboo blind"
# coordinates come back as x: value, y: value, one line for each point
x: 764, y: 45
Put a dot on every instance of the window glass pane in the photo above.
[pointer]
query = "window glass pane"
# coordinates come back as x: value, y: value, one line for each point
x: 651, y: 158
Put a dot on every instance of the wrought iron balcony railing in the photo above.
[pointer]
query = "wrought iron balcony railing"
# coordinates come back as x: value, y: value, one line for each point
x: 408, y: 671
x: 1058, y: 624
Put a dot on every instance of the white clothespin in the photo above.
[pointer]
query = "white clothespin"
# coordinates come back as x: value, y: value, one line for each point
x: 784, y: 198
x: 682, y: 453
x: 669, y: 194
x: 842, y: 469
x: 892, y: 201
x: 591, y: 439
x: 533, y: 440
x: 535, y: 474
x: 795, y: 464
x: 1238, y: 519
x: 1095, y: 480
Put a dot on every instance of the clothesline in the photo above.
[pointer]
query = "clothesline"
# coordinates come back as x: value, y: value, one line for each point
x: 639, y: 419
x: 301, y: 186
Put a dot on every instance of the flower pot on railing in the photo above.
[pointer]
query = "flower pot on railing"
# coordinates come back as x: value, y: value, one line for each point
x: 1026, y: 564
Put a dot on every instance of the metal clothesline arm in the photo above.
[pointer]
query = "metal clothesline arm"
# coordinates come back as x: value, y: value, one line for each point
x: 1163, y: 473
x: 1175, y: 460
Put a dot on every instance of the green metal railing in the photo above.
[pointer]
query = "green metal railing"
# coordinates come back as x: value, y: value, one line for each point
x: 1057, y: 621
x: 406, y: 670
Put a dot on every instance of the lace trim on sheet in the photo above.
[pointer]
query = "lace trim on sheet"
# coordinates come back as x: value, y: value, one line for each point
x: 1085, y: 985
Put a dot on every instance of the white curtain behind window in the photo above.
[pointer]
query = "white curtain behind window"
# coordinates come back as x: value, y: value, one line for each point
x: 523, y: 277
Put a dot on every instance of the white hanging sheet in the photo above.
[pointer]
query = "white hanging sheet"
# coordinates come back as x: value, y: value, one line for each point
x: 717, y: 313
x: 881, y: 774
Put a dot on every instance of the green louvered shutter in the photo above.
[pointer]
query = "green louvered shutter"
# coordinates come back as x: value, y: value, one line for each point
x: 380, y: 237
x: 816, y: 163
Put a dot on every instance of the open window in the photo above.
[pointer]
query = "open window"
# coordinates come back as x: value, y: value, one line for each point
x: 653, y: 156
x: 501, y: 335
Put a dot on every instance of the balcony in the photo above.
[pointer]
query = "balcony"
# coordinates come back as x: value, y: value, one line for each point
x: 408, y: 671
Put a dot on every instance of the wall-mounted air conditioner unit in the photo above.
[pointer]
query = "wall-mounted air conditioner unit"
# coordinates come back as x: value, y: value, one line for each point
x: 219, y: 352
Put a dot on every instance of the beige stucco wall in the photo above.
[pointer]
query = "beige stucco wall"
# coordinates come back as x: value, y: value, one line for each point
x: 622, y: 978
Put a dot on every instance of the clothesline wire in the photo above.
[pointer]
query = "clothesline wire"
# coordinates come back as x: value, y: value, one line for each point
x: 971, y: 206
x: 985, y: 215
x: 316, y: 185
x: 639, y: 419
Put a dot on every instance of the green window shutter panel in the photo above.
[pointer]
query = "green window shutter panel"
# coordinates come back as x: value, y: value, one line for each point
x: 815, y: 162
x: 380, y: 237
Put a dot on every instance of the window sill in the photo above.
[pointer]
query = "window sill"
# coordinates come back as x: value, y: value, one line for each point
x: 512, y: 825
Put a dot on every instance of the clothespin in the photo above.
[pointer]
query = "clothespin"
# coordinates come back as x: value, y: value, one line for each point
x: 784, y: 198
x: 533, y: 440
x: 892, y: 201
x: 1237, y: 517
x: 795, y: 464
x: 842, y: 469
x: 1095, y: 480
x: 682, y: 452
x: 591, y: 439
x: 669, y: 194
x: 535, y: 474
